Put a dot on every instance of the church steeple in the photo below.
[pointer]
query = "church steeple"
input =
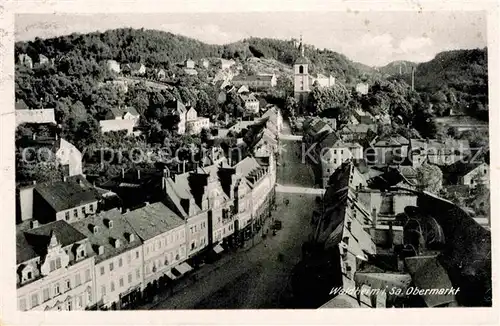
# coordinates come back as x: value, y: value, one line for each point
x: 301, y: 47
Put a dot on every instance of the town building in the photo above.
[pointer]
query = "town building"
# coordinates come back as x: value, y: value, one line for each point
x: 113, y: 66
x: 204, y: 63
x: 194, y: 123
x: 251, y: 103
x: 313, y: 127
x: 163, y: 234
x: 322, y: 80
x: 134, y: 69
x: 257, y: 82
x: 118, y: 270
x: 273, y: 114
x: 67, y: 200
x: 25, y: 60
x: 54, y: 270
x: 441, y: 153
x: 461, y: 123
x: 43, y: 60
x: 37, y: 116
x: 391, y: 150
x: 358, y: 133
x: 177, y: 108
x: 226, y: 64
x: 362, y: 88
x: 53, y: 149
x: 469, y: 175
x: 333, y: 152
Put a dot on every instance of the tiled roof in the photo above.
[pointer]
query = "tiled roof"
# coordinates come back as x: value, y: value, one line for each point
x: 24, y: 251
x: 359, y: 128
x: 152, y: 220
x: 253, y: 78
x: 176, y: 106
x: 62, y: 195
x: 302, y: 61
x: 246, y: 166
x: 428, y: 273
x: 35, y: 241
x: 392, y: 141
x: 106, y: 236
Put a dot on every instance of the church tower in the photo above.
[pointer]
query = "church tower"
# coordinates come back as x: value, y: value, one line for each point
x: 301, y: 82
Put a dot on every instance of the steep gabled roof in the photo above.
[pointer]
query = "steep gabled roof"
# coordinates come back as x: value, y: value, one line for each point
x: 62, y: 195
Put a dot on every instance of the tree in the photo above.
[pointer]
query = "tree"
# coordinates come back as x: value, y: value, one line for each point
x: 291, y: 106
x: 429, y: 178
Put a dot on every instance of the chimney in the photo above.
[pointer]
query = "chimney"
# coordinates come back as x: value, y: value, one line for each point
x: 34, y: 224
x: 65, y: 178
x: 123, y: 173
x: 184, y: 166
x: 34, y: 136
x: 57, y: 136
x: 138, y: 174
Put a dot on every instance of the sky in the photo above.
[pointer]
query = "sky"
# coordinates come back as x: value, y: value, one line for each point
x: 372, y: 38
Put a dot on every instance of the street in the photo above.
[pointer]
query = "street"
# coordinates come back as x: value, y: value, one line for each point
x: 256, y: 278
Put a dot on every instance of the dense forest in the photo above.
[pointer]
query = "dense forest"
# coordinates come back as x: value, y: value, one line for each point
x: 79, y: 86
x: 455, y: 80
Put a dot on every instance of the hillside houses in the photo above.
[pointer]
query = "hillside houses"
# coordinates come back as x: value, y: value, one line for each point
x: 438, y: 152
x: 59, y: 151
x: 256, y: 82
x: 120, y: 118
x: 189, y: 122
x: 33, y: 116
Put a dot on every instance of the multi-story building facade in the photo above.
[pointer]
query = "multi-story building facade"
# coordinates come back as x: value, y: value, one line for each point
x: 163, y: 234
x: 55, y: 266
x: 118, y: 258
x: 68, y: 200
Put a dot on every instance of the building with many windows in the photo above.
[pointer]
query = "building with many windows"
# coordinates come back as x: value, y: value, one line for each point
x: 163, y: 235
x: 118, y: 258
x: 55, y: 266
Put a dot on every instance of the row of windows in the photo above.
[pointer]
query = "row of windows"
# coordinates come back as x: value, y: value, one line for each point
x: 195, y: 228
x: 57, y: 290
x: 194, y: 243
x: 83, y: 210
x: 121, y: 282
x: 171, y: 238
x: 168, y: 259
x: 120, y: 262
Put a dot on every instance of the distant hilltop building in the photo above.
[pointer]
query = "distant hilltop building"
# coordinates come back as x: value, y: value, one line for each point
x: 119, y: 118
x: 25, y: 60
x: 113, y: 66
x: 362, y: 88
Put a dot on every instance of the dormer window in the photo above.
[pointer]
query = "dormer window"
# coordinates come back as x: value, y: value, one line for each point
x: 100, y: 250
x: 130, y: 237
x: 81, y: 253
x: 94, y: 229
x: 117, y: 243
x: 27, y: 274
x: 108, y: 223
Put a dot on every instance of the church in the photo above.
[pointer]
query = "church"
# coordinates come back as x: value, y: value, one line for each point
x: 303, y: 81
